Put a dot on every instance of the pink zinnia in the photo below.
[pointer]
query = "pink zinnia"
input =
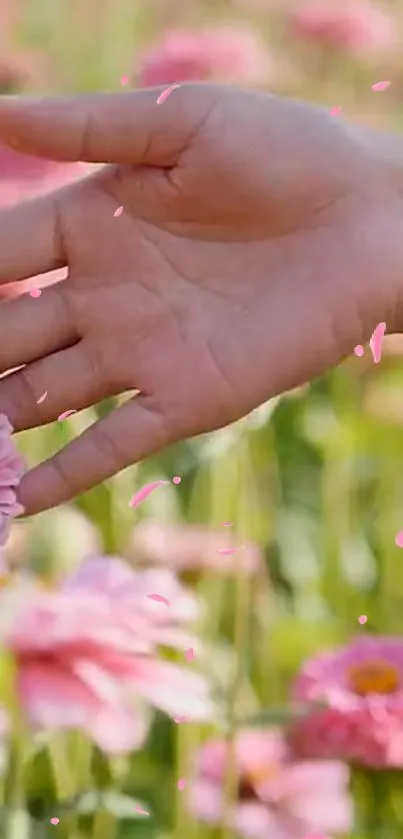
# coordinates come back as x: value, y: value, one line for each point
x: 192, y: 548
x: 12, y: 468
x: 132, y: 590
x: 86, y: 659
x: 277, y: 797
x: 224, y: 53
x: 358, y: 26
x: 361, y: 686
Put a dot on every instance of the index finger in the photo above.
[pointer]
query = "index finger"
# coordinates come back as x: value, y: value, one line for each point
x: 107, y: 127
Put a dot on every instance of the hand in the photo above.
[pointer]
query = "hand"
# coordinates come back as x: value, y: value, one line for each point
x: 260, y: 240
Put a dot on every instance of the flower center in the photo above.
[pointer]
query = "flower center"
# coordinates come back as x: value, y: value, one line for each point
x: 253, y: 778
x: 374, y: 677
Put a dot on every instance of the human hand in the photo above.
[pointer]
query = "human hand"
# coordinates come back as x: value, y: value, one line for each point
x: 260, y: 240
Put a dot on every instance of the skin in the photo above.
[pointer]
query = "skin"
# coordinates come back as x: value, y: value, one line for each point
x: 260, y: 241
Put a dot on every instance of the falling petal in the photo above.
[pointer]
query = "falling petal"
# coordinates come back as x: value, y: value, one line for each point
x: 124, y: 80
x: 359, y: 350
x: 376, y: 341
x: 35, y: 292
x: 180, y: 719
x: 176, y: 479
x: 181, y: 783
x: 227, y: 523
x: 144, y: 492
x: 190, y: 654
x: 335, y: 111
x: 118, y: 212
x: 67, y: 414
x: 167, y: 92
x: 41, y: 398
x: 140, y: 811
x: 54, y: 820
x: 227, y: 551
x: 159, y: 598
x: 379, y: 86
x: 362, y: 619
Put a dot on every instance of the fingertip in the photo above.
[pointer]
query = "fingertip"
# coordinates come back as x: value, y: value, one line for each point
x: 40, y: 489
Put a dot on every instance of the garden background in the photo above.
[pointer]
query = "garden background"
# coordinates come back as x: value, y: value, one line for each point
x: 312, y: 482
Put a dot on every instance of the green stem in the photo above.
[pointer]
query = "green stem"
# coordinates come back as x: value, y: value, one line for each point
x: 372, y: 794
x: 18, y: 821
x: 240, y: 634
x: 65, y: 783
x: 104, y: 825
x: 244, y: 485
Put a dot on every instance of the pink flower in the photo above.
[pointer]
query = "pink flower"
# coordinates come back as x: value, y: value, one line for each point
x: 225, y: 53
x: 189, y: 548
x: 362, y: 688
x: 87, y: 659
x: 12, y: 468
x: 355, y: 26
x: 277, y: 797
x: 163, y: 625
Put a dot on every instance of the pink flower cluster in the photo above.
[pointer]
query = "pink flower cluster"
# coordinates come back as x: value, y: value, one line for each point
x: 12, y: 468
x: 355, y: 26
x: 361, y: 720
x: 277, y: 797
x: 223, y: 53
x: 88, y: 657
x: 192, y: 548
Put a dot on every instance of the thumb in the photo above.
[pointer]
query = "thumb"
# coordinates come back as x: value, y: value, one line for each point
x: 128, y: 127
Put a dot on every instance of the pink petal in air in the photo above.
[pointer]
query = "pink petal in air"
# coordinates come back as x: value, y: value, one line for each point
x: 35, y: 292
x: 190, y: 654
x: 167, y: 92
x: 144, y: 492
x: 42, y: 398
x: 335, y: 111
x: 118, y: 212
x: 181, y: 784
x: 140, y: 811
x: 376, y: 341
x: 159, y: 598
x: 66, y: 414
x: 379, y: 86
x: 124, y: 80
x: 227, y: 551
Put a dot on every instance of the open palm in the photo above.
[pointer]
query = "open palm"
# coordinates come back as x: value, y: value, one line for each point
x: 259, y: 241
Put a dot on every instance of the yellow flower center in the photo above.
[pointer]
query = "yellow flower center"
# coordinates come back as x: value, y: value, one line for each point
x: 374, y: 677
x: 260, y: 774
x: 5, y: 580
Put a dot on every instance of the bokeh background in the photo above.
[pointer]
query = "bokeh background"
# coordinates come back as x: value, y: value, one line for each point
x: 312, y: 481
